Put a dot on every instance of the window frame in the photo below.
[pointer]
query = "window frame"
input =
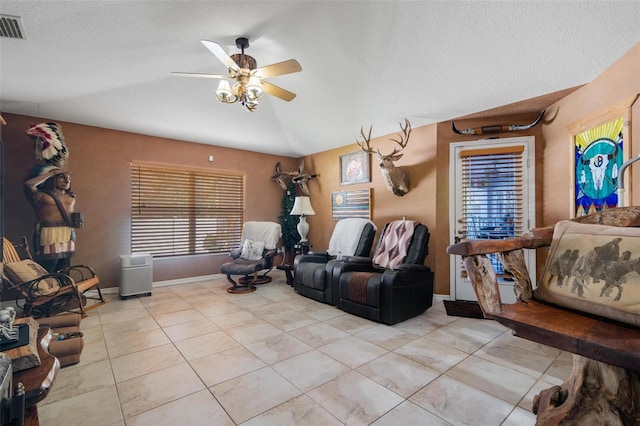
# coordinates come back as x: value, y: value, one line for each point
x: 185, y: 211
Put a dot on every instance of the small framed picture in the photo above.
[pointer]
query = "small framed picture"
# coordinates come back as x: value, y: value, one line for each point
x: 355, y: 168
x: 351, y: 203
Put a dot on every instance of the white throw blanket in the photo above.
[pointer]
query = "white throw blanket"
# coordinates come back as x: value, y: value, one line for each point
x: 346, y: 236
x: 269, y: 232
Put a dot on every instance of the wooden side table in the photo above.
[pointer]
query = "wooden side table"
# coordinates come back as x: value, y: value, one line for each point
x: 300, y: 248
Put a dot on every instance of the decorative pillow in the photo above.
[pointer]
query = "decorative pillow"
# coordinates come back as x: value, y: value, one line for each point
x: 27, y: 270
x: 252, y: 250
x: 594, y: 269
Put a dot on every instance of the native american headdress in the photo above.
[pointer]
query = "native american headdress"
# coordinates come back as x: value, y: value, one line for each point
x: 48, y: 144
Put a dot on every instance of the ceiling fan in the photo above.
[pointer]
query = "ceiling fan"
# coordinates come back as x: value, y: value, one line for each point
x: 247, y: 79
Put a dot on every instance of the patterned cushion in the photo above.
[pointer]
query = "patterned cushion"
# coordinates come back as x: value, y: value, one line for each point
x: 27, y: 270
x: 358, y: 286
x: 395, y: 243
x: 594, y: 269
x: 252, y: 250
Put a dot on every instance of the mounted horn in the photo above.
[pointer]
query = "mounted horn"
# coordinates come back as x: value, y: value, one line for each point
x: 498, y: 128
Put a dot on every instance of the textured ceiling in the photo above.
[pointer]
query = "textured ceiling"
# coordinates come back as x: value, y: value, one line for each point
x: 109, y: 63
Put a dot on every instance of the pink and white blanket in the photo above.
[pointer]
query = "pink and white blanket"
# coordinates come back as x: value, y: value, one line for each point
x: 395, y: 243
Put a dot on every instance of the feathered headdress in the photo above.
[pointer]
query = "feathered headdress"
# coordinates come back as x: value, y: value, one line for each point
x: 48, y: 143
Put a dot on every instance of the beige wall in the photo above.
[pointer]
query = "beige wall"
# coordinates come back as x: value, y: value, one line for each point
x: 100, y: 165
x: 99, y: 160
x: 427, y: 156
x: 618, y: 84
x: 419, y: 159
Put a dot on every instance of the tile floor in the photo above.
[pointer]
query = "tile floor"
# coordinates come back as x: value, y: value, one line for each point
x: 194, y: 354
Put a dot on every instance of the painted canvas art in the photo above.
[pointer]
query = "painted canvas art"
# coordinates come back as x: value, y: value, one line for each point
x: 351, y: 203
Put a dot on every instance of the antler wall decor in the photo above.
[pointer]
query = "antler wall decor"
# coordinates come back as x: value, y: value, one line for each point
x: 396, y: 178
x: 281, y: 177
x: 497, y: 128
x: 298, y: 177
x: 302, y: 178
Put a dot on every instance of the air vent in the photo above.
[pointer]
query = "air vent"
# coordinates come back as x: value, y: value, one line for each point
x: 11, y: 27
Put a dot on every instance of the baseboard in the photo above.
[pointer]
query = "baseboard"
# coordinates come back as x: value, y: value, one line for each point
x: 166, y: 283
x: 187, y: 280
x: 441, y: 297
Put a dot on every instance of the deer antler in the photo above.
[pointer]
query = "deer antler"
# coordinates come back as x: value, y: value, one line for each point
x: 367, y: 140
x: 404, y: 137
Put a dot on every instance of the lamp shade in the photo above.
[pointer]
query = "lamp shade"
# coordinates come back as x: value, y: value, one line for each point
x: 302, y: 206
x: 254, y: 90
x: 224, y: 92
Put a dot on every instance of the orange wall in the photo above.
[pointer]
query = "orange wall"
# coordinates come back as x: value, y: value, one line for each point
x: 99, y: 160
x: 427, y: 156
x: 419, y: 158
x: 617, y: 84
x: 445, y: 137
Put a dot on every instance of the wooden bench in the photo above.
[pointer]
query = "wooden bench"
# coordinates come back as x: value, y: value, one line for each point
x: 604, y: 386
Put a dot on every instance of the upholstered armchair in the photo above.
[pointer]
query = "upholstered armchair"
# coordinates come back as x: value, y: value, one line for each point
x: 313, y: 271
x: 257, y: 249
x: 392, y: 286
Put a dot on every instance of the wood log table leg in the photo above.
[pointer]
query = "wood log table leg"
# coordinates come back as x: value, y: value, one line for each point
x: 485, y: 284
x: 595, y: 394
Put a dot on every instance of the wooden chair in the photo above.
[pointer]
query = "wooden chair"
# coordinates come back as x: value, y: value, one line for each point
x: 43, y: 294
x: 604, y: 386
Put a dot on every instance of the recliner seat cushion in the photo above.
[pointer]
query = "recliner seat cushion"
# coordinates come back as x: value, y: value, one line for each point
x: 361, y: 287
x: 242, y: 267
x: 313, y: 275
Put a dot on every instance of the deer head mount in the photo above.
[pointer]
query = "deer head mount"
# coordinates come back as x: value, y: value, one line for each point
x: 396, y: 178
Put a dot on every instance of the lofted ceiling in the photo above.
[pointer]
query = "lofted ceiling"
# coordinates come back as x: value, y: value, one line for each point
x: 108, y: 63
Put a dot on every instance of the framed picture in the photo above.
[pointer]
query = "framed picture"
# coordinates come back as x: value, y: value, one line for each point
x: 599, y: 151
x: 355, y: 168
x: 351, y: 203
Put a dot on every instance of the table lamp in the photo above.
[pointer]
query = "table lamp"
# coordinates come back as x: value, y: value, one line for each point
x: 302, y: 207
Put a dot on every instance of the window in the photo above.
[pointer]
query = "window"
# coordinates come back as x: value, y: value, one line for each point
x: 492, y: 192
x: 178, y: 211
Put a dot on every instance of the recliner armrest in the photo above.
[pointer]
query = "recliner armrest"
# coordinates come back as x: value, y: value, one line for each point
x: 313, y: 257
x: 357, y: 259
x: 235, y: 253
x: 270, y: 253
x: 411, y: 267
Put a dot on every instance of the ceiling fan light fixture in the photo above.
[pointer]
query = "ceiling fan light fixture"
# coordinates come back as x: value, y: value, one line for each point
x: 244, y: 82
x: 223, y: 93
x: 250, y: 105
x: 254, y: 89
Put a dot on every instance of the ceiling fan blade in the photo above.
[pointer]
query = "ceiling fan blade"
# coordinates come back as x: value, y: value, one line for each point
x: 200, y: 75
x: 276, y: 91
x: 217, y: 50
x: 281, y: 68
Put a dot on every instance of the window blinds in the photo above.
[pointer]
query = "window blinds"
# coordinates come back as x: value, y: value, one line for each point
x: 492, y: 183
x: 177, y: 211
